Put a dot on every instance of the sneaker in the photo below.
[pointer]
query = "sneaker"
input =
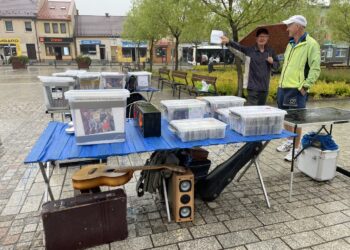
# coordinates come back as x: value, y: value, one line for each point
x: 285, y: 147
x: 288, y: 157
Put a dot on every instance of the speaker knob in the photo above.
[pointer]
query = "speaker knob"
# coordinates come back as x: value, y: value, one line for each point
x: 185, y: 212
x: 185, y: 186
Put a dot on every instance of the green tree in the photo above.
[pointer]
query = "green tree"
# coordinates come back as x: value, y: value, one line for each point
x: 338, y: 19
x: 142, y: 24
x: 240, y: 14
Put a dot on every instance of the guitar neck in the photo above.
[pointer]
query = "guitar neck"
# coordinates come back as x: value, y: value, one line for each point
x: 173, y: 168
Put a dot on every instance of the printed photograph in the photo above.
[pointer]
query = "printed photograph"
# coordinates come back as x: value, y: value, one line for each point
x: 97, y: 120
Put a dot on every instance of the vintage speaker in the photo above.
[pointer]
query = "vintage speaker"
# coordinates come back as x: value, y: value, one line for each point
x: 181, y: 196
x: 148, y: 119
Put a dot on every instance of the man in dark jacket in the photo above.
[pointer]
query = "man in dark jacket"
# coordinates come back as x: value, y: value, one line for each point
x: 261, y: 59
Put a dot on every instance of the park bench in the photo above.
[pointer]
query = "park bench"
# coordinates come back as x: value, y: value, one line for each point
x: 164, y: 78
x: 176, y: 84
x: 208, y: 79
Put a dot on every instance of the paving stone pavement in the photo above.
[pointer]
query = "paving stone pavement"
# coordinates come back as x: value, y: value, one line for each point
x: 318, y: 216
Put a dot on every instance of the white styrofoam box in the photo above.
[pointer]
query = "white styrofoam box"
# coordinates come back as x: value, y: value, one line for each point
x: 143, y: 79
x: 218, y: 102
x: 183, y: 109
x: 54, y: 88
x: 198, y: 129
x: 89, y: 80
x: 112, y: 80
x: 319, y: 165
x: 257, y: 120
x: 98, y: 115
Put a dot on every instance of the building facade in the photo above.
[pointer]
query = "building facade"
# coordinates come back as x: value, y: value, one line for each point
x: 55, y: 30
x: 18, y: 33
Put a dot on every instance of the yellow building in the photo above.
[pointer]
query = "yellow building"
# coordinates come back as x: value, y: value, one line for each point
x: 55, y: 30
x: 18, y: 28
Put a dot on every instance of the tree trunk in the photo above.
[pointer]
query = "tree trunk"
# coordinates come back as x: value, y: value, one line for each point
x: 176, y: 53
x: 151, y: 55
x: 238, y: 63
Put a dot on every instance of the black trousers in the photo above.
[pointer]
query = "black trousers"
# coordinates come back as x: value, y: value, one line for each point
x: 256, y: 97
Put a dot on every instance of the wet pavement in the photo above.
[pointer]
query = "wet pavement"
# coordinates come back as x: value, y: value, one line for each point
x: 318, y: 216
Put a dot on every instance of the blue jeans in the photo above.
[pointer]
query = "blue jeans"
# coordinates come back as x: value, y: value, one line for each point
x: 290, y: 98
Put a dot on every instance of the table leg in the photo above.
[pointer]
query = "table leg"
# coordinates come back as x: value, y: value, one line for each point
x: 261, y: 182
x: 245, y: 170
x: 166, y: 200
x: 292, y: 165
x: 46, y: 179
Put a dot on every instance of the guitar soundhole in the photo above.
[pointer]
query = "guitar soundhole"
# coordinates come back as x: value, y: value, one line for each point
x: 111, y: 170
x: 92, y: 171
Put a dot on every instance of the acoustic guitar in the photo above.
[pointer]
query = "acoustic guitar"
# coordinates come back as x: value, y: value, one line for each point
x: 96, y: 175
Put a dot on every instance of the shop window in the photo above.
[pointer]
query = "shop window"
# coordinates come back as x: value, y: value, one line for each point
x: 47, y: 28
x: 160, y: 52
x: 143, y: 52
x: 329, y: 53
x: 10, y: 50
x: 66, y: 51
x: 8, y: 26
x: 88, y: 49
x: 340, y: 53
x: 28, y: 26
x: 127, y: 52
x: 55, y: 27
x: 63, y: 27
x: 50, y: 50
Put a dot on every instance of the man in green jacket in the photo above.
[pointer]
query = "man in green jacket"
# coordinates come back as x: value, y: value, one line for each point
x: 301, y: 69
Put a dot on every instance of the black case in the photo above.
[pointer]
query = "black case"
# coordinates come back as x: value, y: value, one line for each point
x: 85, y: 221
x: 148, y: 119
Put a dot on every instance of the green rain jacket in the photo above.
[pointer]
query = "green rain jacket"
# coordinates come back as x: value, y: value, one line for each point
x: 301, y: 67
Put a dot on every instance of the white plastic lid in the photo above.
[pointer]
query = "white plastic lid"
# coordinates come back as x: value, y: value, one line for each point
x: 257, y: 111
x: 199, y: 124
x: 88, y: 75
x: 55, y: 79
x: 139, y: 73
x: 190, y: 103
x: 225, y: 112
x: 221, y: 99
x: 112, y: 74
x: 89, y: 94
x: 69, y: 73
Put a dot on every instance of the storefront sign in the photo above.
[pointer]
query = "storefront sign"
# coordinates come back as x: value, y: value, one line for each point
x: 126, y: 44
x: 9, y: 40
x: 90, y: 42
x: 55, y: 40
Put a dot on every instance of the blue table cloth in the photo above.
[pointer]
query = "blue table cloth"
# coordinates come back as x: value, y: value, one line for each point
x: 55, y: 144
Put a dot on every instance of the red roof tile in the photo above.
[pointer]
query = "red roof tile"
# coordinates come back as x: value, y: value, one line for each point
x: 57, y: 10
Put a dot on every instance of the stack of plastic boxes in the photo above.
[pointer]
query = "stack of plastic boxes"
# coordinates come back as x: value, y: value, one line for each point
x: 112, y: 80
x: 198, y: 129
x: 257, y: 120
x: 98, y: 115
x: 143, y: 79
x: 183, y: 109
x: 70, y: 73
x: 54, y: 89
x: 89, y: 80
x: 218, y: 102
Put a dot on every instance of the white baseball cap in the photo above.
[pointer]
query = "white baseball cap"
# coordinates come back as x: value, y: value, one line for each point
x: 296, y: 19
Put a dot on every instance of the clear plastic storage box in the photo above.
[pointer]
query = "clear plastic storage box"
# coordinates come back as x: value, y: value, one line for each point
x: 320, y: 165
x: 70, y: 73
x: 54, y: 89
x: 224, y: 116
x: 257, y: 120
x: 89, y: 80
x: 183, y: 109
x: 198, y: 129
x: 218, y: 102
x: 112, y: 80
x: 143, y: 79
x: 98, y: 115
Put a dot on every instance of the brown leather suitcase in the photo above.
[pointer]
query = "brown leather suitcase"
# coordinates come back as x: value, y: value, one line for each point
x: 85, y: 221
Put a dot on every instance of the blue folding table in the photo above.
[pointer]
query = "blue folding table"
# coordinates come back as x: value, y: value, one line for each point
x: 55, y: 144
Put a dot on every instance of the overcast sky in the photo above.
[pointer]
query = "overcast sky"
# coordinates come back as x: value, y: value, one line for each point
x: 100, y: 7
